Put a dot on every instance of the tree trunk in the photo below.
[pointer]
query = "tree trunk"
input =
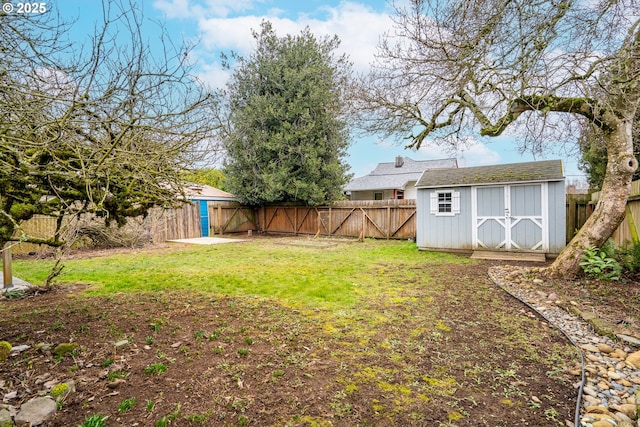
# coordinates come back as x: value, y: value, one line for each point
x: 611, y: 207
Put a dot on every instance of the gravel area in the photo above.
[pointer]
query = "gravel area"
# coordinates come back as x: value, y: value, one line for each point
x: 610, y: 376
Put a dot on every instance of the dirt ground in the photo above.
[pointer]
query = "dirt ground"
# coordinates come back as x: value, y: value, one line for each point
x: 188, y: 359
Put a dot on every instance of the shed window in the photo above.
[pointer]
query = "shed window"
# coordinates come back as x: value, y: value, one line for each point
x: 445, y: 203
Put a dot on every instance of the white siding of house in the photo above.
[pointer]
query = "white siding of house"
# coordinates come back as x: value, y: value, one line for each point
x: 409, y: 193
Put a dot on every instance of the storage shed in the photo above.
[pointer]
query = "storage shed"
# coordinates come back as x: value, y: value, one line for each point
x: 203, y: 194
x: 516, y: 207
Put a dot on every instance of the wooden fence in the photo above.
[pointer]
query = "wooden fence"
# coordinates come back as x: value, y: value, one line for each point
x: 388, y: 219
x: 579, y: 208
x: 624, y: 235
x: 159, y: 226
x: 385, y: 219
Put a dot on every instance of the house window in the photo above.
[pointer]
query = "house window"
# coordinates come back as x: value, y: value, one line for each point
x: 377, y: 196
x: 445, y: 203
x: 399, y: 194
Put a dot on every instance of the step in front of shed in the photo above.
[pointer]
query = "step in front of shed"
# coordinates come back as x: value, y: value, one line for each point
x: 509, y: 256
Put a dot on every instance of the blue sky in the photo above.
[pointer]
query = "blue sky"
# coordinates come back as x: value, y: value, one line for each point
x: 225, y: 25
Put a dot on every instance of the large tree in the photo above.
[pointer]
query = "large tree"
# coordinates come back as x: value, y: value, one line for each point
x: 593, y: 153
x: 103, y: 127
x: 282, y: 120
x: 455, y: 68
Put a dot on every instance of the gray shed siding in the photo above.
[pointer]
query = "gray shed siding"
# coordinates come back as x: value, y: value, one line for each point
x: 529, y: 201
x: 445, y: 232
x: 557, y: 216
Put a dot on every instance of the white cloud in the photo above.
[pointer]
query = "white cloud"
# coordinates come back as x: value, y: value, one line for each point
x: 358, y: 26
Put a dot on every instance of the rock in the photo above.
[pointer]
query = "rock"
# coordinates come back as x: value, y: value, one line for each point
x: 626, y: 408
x: 538, y: 281
x: 629, y: 339
x: 43, y: 347
x: 591, y: 392
x: 9, y: 396
x: 602, y: 385
x: 634, y: 358
x: 591, y: 399
x: 614, y: 375
x: 19, y: 349
x: 552, y: 297
x: 35, y: 412
x: 619, y: 354
x: 605, y: 348
x: 116, y: 383
x: 121, y: 344
x: 603, y: 423
x: 597, y: 410
x: 592, y: 358
x: 591, y: 348
x: 620, y: 416
x: 5, y: 418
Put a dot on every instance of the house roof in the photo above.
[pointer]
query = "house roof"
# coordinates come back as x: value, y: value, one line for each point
x: 206, y: 192
x: 547, y: 170
x: 388, y: 176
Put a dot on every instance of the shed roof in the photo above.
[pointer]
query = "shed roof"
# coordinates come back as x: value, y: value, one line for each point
x: 388, y: 176
x: 546, y: 170
x: 206, y: 192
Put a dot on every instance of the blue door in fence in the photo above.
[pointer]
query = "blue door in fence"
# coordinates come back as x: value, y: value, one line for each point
x: 204, y: 218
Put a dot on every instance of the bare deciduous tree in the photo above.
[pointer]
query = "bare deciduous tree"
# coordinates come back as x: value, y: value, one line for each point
x: 539, y: 68
x: 105, y: 128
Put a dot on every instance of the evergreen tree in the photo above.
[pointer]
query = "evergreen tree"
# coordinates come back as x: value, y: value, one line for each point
x: 283, y: 122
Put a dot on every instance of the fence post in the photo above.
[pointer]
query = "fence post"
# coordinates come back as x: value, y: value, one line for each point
x: 632, y: 225
x: 7, y: 274
x: 389, y: 222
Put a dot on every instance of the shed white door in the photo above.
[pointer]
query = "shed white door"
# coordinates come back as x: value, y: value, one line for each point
x: 510, y: 217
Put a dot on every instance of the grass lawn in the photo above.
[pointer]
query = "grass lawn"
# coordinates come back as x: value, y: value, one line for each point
x: 328, y: 276
x: 290, y: 332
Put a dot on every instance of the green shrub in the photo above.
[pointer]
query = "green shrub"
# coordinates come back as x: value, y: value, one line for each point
x: 598, y: 265
x: 629, y: 258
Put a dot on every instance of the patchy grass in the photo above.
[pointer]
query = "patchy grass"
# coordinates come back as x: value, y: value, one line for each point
x: 262, y: 333
x: 333, y: 277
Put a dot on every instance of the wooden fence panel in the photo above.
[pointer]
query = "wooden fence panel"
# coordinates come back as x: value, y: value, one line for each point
x: 169, y: 224
x: 387, y: 219
x: 579, y: 208
x: 230, y: 217
x: 40, y: 226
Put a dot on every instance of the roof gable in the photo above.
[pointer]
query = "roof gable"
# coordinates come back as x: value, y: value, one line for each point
x: 413, y: 166
x: 387, y: 176
x: 547, y: 170
x: 206, y: 192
